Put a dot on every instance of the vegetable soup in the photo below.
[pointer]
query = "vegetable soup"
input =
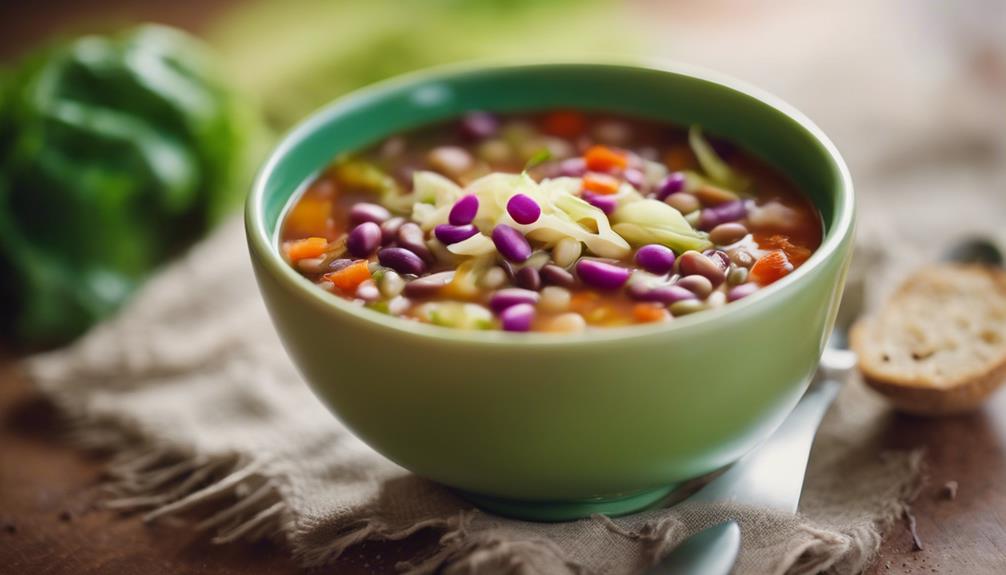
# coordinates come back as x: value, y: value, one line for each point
x: 558, y: 221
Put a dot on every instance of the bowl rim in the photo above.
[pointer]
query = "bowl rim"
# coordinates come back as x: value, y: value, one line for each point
x: 260, y: 239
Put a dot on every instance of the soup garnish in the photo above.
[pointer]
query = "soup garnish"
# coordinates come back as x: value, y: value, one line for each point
x: 559, y: 221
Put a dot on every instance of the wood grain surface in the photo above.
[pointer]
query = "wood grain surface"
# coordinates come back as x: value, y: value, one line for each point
x: 50, y: 523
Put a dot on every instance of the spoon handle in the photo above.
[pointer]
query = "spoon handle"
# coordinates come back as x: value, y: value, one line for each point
x: 712, y: 551
x: 772, y: 474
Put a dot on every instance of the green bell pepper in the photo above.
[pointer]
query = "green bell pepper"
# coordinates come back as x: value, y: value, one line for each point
x: 115, y: 154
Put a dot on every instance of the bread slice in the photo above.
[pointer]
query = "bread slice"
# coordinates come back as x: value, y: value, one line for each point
x: 939, y: 345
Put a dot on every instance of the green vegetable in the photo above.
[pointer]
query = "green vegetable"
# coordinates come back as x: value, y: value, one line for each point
x: 654, y: 222
x: 540, y: 157
x: 115, y: 153
x: 457, y: 315
x: 718, y: 171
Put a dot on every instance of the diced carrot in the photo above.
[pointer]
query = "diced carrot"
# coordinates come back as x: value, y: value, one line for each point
x: 564, y: 123
x: 649, y: 312
x: 796, y: 254
x: 680, y: 157
x: 297, y: 250
x: 309, y: 217
x: 770, y: 268
x: 600, y: 183
x: 604, y: 159
x: 583, y: 301
x: 349, y: 277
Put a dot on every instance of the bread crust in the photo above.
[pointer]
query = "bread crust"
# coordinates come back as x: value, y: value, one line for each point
x: 922, y: 397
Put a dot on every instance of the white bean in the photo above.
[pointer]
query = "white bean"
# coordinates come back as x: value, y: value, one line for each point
x: 566, y: 252
x: 554, y: 299
x: 391, y: 284
x: 449, y: 160
x: 494, y: 278
x: 571, y: 322
x: 398, y: 305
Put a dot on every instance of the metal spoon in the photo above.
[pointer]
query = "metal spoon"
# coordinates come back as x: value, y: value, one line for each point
x: 712, y: 550
x: 772, y: 475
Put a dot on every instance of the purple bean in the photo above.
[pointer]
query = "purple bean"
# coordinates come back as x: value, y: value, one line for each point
x: 601, y: 274
x: 518, y: 317
x: 464, y: 210
x: 635, y: 178
x: 523, y: 209
x: 528, y: 278
x: 339, y: 264
x: 389, y: 230
x: 366, y: 212
x: 428, y: 285
x: 401, y: 260
x: 655, y: 258
x: 606, y: 204
x: 508, y: 297
x: 741, y: 291
x: 552, y: 274
x: 412, y: 238
x: 364, y: 239
x: 573, y: 167
x: 665, y: 294
x: 478, y: 125
x: 721, y: 214
x: 692, y: 262
x: 449, y: 234
x: 511, y: 244
x: 672, y: 184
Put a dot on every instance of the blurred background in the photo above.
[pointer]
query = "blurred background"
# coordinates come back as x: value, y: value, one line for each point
x: 912, y: 92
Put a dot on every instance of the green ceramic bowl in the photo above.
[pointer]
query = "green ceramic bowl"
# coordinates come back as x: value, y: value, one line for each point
x: 546, y: 426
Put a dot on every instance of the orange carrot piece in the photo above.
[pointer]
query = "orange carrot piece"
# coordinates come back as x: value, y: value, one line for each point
x: 564, y: 123
x: 680, y: 157
x: 349, y: 277
x: 297, y: 250
x: 649, y: 312
x: 309, y: 217
x: 604, y: 159
x: 770, y: 268
x: 796, y: 254
x: 600, y: 183
x: 583, y: 301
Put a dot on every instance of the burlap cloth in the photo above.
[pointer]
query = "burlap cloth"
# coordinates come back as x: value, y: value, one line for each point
x: 191, y: 389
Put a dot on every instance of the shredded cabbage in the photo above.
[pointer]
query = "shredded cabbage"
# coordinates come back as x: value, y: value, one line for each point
x: 365, y: 176
x: 476, y: 245
x: 563, y: 214
x: 432, y: 197
x: 464, y: 285
x: 456, y: 314
x: 714, y: 166
x: 650, y: 221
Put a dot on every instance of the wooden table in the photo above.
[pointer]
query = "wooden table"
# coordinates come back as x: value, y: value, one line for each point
x: 49, y: 524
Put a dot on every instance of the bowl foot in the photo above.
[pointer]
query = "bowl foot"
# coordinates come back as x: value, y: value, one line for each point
x: 572, y: 509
